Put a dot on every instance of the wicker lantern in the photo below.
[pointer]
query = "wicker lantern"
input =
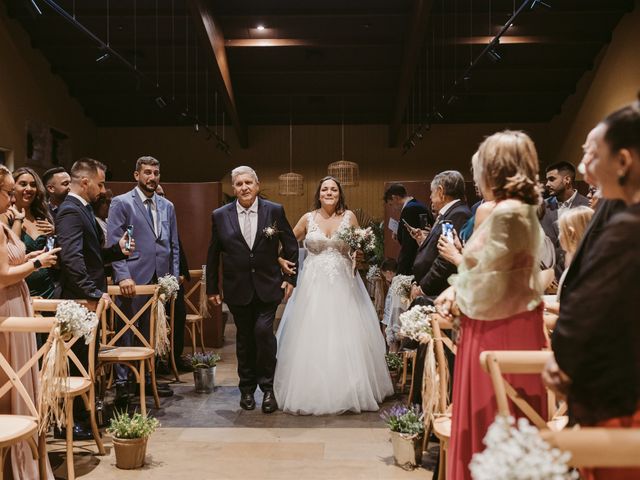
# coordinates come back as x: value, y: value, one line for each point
x: 290, y: 183
x: 347, y: 173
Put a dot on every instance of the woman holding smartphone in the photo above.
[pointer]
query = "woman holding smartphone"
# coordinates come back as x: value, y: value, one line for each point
x: 29, y: 219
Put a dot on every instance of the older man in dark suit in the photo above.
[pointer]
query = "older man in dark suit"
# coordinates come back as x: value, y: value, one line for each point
x: 246, y: 236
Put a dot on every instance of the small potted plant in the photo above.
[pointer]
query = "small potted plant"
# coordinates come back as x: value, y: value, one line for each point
x: 394, y: 364
x: 204, y: 371
x: 407, y: 430
x: 130, y: 434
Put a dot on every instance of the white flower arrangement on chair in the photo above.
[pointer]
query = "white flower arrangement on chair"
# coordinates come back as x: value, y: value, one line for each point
x: 401, y: 286
x: 519, y: 453
x: 168, y: 290
x: 76, y: 320
x: 373, y: 272
x: 415, y: 323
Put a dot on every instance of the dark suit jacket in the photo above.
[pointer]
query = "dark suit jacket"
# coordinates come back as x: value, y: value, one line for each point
x: 249, y: 271
x: 597, y: 338
x: 82, y: 257
x: 431, y: 271
x: 408, y: 246
x: 605, y: 209
x: 550, y: 226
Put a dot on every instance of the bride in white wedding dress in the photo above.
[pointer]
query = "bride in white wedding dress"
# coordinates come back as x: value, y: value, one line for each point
x: 330, y: 350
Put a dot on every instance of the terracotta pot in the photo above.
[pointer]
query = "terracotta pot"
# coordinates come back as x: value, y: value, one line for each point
x: 130, y: 452
x: 407, y: 449
x: 204, y: 379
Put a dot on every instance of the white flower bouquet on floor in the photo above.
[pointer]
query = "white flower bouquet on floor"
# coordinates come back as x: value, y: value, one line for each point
x: 518, y: 453
x: 415, y: 323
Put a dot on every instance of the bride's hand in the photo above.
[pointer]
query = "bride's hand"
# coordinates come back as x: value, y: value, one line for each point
x: 287, y: 267
x: 288, y: 290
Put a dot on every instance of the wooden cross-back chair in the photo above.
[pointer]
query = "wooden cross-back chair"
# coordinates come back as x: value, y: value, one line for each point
x: 496, y: 363
x: 195, y: 315
x: 135, y: 357
x: 16, y: 428
x: 441, y: 421
x: 82, y: 385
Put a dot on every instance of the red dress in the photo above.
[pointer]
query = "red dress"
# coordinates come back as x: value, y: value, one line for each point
x: 474, y: 402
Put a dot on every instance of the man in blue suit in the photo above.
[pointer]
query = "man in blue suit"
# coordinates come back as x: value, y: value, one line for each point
x: 246, y: 236
x: 155, y: 229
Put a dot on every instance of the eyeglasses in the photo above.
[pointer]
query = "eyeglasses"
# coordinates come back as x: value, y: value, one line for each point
x: 10, y: 193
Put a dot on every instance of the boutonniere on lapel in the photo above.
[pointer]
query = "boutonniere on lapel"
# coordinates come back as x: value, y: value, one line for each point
x: 271, y: 231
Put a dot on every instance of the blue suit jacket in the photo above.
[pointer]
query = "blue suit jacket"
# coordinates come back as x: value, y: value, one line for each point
x: 82, y: 257
x: 250, y: 270
x: 154, y: 255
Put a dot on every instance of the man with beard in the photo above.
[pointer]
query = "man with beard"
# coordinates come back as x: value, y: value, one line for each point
x: 56, y: 181
x: 82, y: 257
x: 155, y: 230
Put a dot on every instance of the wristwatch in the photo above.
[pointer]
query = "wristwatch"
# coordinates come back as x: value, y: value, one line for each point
x: 37, y: 264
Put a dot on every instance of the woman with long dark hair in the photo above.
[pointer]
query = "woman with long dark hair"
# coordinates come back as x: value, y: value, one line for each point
x: 30, y: 219
x: 330, y: 351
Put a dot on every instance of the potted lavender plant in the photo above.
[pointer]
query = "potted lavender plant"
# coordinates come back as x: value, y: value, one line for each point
x: 407, y: 430
x: 204, y: 371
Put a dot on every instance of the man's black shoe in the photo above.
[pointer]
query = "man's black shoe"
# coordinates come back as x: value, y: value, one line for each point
x: 163, y: 390
x: 247, y: 401
x: 269, y: 404
x: 79, y: 433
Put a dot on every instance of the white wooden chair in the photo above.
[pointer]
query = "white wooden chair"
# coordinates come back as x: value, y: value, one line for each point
x: 18, y: 428
x: 82, y: 386
x: 135, y: 357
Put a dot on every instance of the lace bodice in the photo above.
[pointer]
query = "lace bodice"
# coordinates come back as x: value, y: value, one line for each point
x: 330, y: 254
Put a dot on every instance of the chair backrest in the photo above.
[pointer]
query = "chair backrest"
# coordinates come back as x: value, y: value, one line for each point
x: 192, y: 297
x: 43, y: 305
x: 598, y: 447
x: 497, y: 363
x: 24, y: 325
x: 112, y: 332
x: 441, y: 365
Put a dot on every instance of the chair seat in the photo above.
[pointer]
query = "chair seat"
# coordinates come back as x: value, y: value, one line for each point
x: 442, y: 428
x: 193, y: 318
x: 126, y: 353
x: 77, y: 385
x: 15, y: 427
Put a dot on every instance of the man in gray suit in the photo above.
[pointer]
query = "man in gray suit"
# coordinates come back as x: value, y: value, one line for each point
x: 560, y: 178
x: 156, y: 233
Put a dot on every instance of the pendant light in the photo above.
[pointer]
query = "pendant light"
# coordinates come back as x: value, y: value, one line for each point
x: 347, y: 173
x: 290, y: 183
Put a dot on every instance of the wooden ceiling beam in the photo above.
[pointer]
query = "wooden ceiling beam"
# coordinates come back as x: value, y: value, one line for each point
x: 419, y: 21
x: 212, y: 35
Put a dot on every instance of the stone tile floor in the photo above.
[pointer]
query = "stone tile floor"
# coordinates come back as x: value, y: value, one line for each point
x: 208, y: 436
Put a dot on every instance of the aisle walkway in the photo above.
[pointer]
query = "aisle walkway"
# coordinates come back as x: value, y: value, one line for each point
x: 210, y: 437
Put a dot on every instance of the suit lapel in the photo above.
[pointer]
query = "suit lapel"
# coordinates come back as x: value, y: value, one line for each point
x: 89, y: 216
x: 262, y: 222
x: 232, y: 218
x: 143, y: 210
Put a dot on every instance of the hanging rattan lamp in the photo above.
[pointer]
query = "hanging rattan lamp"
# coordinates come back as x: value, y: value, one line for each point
x: 347, y: 173
x: 290, y: 183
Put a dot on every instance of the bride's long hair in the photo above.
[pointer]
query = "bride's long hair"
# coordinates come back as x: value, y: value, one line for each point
x: 342, y: 204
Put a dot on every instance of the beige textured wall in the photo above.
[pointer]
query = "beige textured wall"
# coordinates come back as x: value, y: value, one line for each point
x: 188, y: 157
x: 29, y: 91
x: 614, y: 82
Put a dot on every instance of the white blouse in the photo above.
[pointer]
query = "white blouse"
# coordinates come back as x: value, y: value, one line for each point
x: 498, y: 276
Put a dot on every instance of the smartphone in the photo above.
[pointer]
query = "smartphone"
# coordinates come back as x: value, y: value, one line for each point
x: 447, y: 231
x: 424, y: 221
x: 51, y: 242
x: 127, y: 244
x: 406, y: 224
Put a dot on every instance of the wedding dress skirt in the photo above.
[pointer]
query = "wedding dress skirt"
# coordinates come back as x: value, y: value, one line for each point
x: 330, y: 348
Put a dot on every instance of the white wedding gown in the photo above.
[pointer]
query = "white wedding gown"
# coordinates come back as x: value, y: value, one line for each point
x: 330, y: 349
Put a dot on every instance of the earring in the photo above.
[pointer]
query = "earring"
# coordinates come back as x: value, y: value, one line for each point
x: 622, y: 178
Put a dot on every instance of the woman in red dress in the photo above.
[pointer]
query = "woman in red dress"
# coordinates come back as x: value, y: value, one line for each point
x: 497, y: 290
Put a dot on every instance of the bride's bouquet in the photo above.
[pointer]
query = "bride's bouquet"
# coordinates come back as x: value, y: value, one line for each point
x: 359, y: 238
x: 362, y: 239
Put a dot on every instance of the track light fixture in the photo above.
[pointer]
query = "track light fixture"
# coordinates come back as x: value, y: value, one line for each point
x: 36, y: 7
x: 160, y: 102
x: 494, y: 55
x: 102, y: 57
x: 535, y: 3
x: 437, y: 114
